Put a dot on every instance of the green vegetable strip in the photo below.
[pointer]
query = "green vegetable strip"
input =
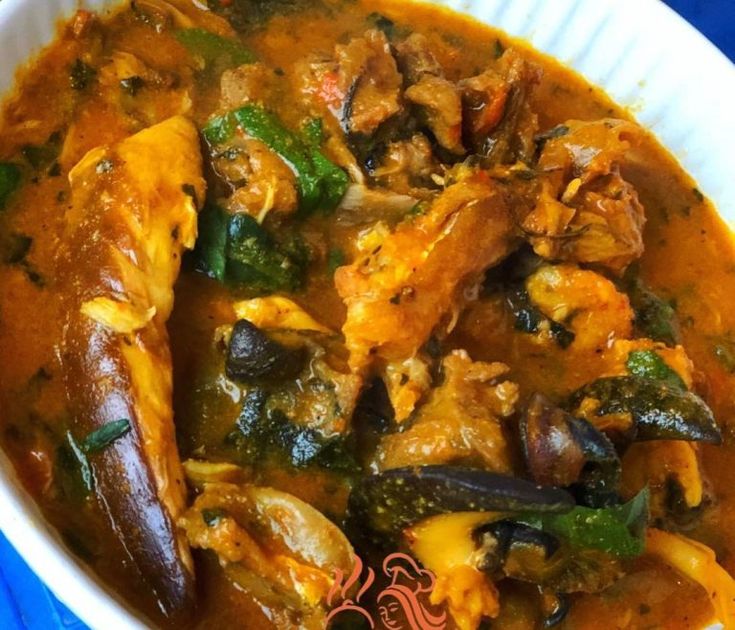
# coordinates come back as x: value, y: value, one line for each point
x: 212, y: 47
x: 313, y: 132
x: 235, y: 248
x: 321, y: 183
x: 254, y: 259
x: 265, y: 127
x: 649, y: 364
x: 101, y: 438
x: 211, y: 248
x: 616, y: 530
x: 220, y: 129
x: 334, y: 181
x: 9, y: 181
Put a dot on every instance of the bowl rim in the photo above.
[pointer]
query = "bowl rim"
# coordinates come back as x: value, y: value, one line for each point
x: 21, y: 521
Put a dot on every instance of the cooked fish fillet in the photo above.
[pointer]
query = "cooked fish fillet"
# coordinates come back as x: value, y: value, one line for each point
x: 134, y: 212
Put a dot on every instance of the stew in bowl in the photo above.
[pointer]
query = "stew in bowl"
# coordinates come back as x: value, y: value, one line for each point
x: 346, y: 312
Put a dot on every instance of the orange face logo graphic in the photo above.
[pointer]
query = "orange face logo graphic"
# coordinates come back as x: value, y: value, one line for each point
x: 400, y: 605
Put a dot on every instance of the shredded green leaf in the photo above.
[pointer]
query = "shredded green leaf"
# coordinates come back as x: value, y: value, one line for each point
x: 262, y: 431
x: 321, y: 183
x: 649, y: 364
x: 210, y: 253
x: 236, y: 249
x: 617, y: 530
x: 211, y: 47
x: 314, y: 132
x: 101, y: 438
x: 74, y: 472
x: 254, y: 259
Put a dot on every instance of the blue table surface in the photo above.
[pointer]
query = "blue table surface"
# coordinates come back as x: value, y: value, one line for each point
x: 25, y: 603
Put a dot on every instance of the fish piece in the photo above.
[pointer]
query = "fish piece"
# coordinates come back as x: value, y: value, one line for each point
x: 460, y: 420
x: 133, y: 213
x: 401, y: 288
x: 279, y: 550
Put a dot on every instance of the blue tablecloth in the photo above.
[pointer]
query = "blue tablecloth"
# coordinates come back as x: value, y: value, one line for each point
x: 26, y: 604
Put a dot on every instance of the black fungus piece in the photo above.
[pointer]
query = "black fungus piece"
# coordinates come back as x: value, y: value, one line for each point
x: 253, y: 356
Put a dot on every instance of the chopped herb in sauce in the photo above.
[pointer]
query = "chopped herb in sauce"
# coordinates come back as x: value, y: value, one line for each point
x: 618, y: 530
x: 101, y: 438
x: 649, y: 364
x: 236, y: 249
x: 212, y: 48
x: 321, y: 183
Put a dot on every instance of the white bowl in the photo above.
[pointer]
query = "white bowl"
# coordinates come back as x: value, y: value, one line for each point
x: 640, y: 51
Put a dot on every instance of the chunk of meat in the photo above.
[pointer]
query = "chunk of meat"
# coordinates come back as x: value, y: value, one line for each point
x: 365, y: 87
x: 406, y: 382
x: 260, y: 180
x: 441, y: 106
x: 134, y: 212
x: 460, y: 420
x: 500, y: 123
x: 439, y: 100
x: 485, y: 97
x: 586, y: 211
x: 250, y: 83
x: 416, y: 59
x: 407, y: 164
x: 278, y: 549
x: 583, y: 301
x: 401, y: 287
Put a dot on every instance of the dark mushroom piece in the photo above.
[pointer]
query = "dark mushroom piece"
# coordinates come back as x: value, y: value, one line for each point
x: 658, y: 410
x: 561, y: 450
x: 252, y: 356
x: 389, y: 502
x: 499, y: 540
